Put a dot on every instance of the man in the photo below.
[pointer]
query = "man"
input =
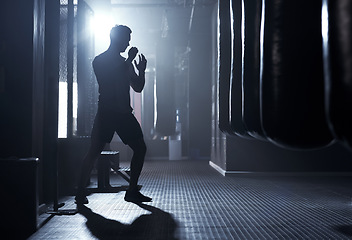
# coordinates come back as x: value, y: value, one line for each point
x: 115, y: 75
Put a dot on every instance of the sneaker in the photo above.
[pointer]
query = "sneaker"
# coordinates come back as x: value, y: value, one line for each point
x: 80, y: 199
x: 135, y: 196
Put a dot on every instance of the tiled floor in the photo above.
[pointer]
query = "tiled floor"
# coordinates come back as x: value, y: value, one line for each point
x: 192, y: 201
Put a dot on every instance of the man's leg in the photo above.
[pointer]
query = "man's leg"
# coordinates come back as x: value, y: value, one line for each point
x: 88, y: 163
x: 139, y: 150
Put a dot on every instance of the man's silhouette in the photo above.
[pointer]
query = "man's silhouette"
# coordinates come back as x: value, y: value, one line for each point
x: 115, y: 75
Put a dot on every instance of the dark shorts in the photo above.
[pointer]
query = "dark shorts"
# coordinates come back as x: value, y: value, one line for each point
x: 124, y: 124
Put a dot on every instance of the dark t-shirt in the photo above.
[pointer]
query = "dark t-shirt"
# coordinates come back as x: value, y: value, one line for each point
x: 112, y: 75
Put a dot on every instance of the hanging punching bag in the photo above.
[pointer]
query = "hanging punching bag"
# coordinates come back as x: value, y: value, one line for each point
x: 235, y: 94
x: 224, y: 66
x: 251, y: 19
x: 165, y: 88
x: 337, y: 42
x: 292, y: 83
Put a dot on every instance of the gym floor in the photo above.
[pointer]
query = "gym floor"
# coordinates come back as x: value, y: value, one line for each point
x: 193, y: 201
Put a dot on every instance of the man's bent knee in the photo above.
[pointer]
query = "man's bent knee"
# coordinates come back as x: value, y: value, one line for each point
x: 95, y: 148
x: 143, y: 148
x: 138, y: 146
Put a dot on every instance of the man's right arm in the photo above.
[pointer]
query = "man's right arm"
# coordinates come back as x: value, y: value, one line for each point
x: 137, y: 81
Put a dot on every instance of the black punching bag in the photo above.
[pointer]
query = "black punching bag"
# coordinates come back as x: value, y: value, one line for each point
x: 292, y: 83
x: 165, y: 88
x: 251, y: 20
x: 224, y: 66
x: 235, y: 94
x: 337, y: 36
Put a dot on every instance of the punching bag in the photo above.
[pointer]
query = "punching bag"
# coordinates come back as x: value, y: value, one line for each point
x: 251, y: 20
x: 292, y: 83
x: 235, y: 94
x: 165, y: 88
x: 337, y: 42
x: 224, y: 66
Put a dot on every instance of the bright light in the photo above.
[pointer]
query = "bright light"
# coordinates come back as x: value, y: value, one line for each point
x: 101, y: 25
x: 62, y: 128
x: 325, y: 21
x: 63, y: 98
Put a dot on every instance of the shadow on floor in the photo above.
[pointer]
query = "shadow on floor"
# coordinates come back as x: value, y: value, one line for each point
x: 157, y: 225
x: 345, y: 229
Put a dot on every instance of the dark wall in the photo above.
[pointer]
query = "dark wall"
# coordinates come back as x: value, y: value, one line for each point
x: 258, y: 156
x: 22, y: 101
x: 16, y: 61
x: 29, y: 84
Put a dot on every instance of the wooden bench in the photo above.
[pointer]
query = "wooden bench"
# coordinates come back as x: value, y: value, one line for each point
x: 110, y: 160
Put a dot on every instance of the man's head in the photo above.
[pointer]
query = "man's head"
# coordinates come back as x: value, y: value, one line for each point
x: 120, y: 37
